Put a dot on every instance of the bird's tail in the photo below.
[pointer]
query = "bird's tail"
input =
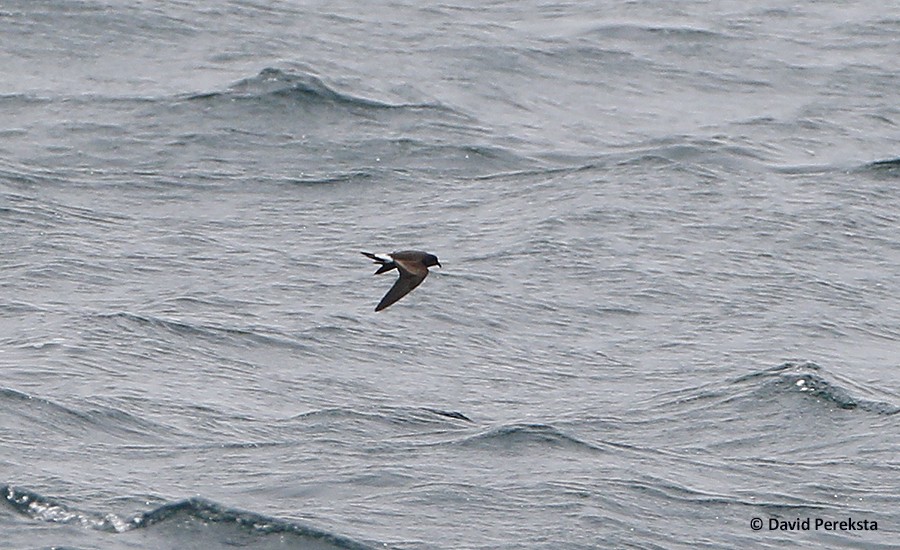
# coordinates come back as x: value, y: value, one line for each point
x: 387, y: 264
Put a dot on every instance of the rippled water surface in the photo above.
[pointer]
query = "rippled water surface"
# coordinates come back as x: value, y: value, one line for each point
x: 668, y: 301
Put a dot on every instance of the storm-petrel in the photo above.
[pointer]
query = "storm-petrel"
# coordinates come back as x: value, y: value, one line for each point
x: 413, y: 267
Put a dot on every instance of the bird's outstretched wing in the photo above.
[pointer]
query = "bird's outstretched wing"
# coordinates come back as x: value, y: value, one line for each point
x: 408, y: 280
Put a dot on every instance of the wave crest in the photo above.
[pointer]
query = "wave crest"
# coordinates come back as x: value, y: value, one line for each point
x: 219, y: 521
x: 303, y: 87
x: 810, y: 379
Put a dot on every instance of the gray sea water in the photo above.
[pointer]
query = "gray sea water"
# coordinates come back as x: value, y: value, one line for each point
x: 668, y: 304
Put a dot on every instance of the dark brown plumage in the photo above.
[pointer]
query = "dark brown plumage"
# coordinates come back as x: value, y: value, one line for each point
x: 413, y: 267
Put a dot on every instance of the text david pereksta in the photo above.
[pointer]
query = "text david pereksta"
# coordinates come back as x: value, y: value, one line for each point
x: 821, y: 524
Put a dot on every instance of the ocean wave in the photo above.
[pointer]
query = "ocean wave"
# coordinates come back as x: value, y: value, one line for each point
x: 673, y: 151
x: 22, y: 176
x: 39, y: 415
x: 644, y: 31
x: 387, y: 415
x: 515, y: 436
x: 306, y: 88
x: 41, y: 508
x: 883, y: 169
x: 809, y: 379
x: 677, y: 492
x: 792, y: 380
x: 211, y: 332
x: 180, y: 514
x: 180, y: 520
x: 703, y: 157
x: 700, y: 156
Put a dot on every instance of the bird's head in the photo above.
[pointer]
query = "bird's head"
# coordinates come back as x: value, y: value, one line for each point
x: 430, y: 260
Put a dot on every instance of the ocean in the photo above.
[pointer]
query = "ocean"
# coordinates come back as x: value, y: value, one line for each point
x: 667, y: 315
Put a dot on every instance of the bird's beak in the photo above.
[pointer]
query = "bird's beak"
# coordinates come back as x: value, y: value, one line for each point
x: 439, y: 264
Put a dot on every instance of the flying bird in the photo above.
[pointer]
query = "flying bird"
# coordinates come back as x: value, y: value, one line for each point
x: 413, y: 267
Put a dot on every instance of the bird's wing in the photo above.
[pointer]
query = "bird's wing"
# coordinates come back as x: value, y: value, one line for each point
x: 405, y: 283
x: 385, y: 268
